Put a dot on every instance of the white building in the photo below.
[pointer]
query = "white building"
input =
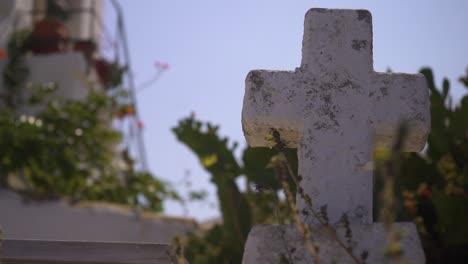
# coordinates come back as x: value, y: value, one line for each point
x: 21, y: 218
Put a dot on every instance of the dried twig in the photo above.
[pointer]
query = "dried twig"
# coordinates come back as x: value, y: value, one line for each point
x: 303, y: 228
x: 388, y: 166
x: 280, y: 146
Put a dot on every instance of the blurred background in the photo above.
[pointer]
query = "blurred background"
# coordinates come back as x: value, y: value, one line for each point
x: 212, y: 45
x: 138, y: 104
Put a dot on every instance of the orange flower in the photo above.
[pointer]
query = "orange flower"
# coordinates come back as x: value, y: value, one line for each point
x: 410, y: 206
x: 3, y: 54
x: 130, y: 110
x: 408, y: 195
x: 119, y: 114
x: 424, y: 192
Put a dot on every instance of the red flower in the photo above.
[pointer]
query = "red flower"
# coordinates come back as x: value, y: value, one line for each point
x: 130, y: 110
x: 3, y: 54
x: 424, y: 192
x: 119, y: 114
x: 162, y: 65
x: 140, y: 124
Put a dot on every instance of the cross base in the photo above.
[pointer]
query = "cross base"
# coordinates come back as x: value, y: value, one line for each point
x: 283, y: 244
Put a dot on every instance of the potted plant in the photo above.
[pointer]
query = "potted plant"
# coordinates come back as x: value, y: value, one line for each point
x: 49, y: 34
x: 110, y: 74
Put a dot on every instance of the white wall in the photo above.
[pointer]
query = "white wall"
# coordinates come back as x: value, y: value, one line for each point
x: 69, y: 70
x: 57, y: 220
x: 86, y: 25
x: 16, y: 14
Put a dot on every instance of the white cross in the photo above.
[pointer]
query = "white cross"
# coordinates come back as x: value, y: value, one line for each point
x: 332, y: 109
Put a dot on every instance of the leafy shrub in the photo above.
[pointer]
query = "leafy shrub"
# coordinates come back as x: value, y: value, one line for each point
x: 433, y: 187
x: 68, y: 148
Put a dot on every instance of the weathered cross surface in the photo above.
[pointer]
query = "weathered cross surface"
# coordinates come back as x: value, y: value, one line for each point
x: 333, y: 108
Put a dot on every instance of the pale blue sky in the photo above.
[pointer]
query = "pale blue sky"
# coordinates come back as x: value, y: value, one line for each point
x: 211, y: 45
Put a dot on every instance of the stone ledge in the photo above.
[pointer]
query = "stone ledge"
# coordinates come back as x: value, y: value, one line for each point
x: 80, y: 252
x: 267, y: 244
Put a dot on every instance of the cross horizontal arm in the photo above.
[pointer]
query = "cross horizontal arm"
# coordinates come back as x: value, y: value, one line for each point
x: 271, y: 101
x: 400, y: 97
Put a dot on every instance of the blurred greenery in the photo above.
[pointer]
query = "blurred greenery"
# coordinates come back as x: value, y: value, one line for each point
x: 224, y: 242
x: 431, y: 188
x: 67, y: 147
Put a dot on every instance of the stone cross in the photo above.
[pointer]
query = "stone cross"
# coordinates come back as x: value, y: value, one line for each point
x: 333, y: 109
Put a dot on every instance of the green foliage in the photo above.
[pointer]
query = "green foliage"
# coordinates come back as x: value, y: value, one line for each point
x: 67, y: 148
x: 218, y: 159
x: 224, y: 243
x: 111, y: 74
x: 433, y: 187
x: 15, y: 72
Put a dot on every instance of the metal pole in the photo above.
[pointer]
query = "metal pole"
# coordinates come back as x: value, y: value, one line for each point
x: 122, y: 32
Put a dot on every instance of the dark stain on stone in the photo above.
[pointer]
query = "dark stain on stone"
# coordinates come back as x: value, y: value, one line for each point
x: 258, y: 81
x: 308, y: 153
x: 255, y: 77
x: 319, y: 10
x: 371, y: 94
x: 321, y: 125
x: 364, y: 15
x: 326, y: 86
x: 384, y: 91
x: 420, y: 117
x: 329, y: 111
x: 291, y: 95
x: 359, y: 44
x: 308, y: 109
x: 267, y: 98
x: 360, y: 211
x: 347, y: 83
x: 335, y: 77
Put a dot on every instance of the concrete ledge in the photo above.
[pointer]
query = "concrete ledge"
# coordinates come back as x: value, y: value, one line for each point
x: 74, y: 252
x: 58, y: 220
x: 271, y: 243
